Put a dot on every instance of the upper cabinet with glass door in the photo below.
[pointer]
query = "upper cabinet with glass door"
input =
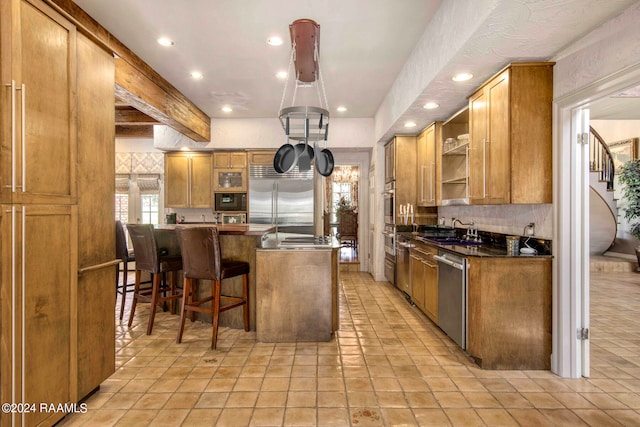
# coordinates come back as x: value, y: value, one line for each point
x: 230, y: 171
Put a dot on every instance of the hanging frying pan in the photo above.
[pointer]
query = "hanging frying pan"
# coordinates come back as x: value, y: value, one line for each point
x: 324, y: 162
x: 285, y: 159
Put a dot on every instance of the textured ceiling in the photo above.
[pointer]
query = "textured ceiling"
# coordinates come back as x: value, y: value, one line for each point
x: 363, y: 46
x: 379, y: 58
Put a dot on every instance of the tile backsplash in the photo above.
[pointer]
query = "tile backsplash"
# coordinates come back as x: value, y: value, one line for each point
x: 505, y: 219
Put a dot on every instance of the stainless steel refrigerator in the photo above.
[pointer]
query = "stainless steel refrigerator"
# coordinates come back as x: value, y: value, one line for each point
x: 285, y: 200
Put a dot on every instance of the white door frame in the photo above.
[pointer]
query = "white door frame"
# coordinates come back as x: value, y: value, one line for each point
x: 571, y: 227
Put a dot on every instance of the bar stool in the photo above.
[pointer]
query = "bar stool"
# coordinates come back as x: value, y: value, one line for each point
x: 126, y: 256
x: 202, y: 259
x: 153, y: 260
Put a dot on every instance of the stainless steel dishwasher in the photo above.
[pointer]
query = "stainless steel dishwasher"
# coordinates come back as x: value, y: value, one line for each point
x: 452, y: 296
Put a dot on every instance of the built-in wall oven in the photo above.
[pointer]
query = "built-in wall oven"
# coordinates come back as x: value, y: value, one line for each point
x: 389, y: 235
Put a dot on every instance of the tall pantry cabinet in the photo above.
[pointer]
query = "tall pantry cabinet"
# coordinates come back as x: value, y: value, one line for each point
x: 57, y: 245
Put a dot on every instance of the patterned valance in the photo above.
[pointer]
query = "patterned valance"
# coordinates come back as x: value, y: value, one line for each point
x: 122, y: 184
x: 149, y: 184
x: 139, y: 163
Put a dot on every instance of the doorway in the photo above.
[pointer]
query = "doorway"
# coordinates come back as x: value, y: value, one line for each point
x: 571, y: 288
x: 343, y: 213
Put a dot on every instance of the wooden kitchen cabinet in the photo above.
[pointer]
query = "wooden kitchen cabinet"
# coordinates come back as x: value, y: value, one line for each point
x: 509, y: 312
x: 401, y: 164
x: 96, y: 236
x: 39, y: 273
x: 510, y: 136
x: 230, y: 159
x: 188, y: 180
x: 57, y: 330
x: 390, y: 161
x: 261, y: 157
x: 428, y: 193
x: 417, y: 279
x: 38, y: 68
x: 424, y: 279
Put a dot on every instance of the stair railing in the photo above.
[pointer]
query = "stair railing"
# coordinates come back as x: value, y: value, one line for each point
x: 600, y: 159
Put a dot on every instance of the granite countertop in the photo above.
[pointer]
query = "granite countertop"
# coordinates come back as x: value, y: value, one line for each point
x: 493, y: 247
x: 226, y: 229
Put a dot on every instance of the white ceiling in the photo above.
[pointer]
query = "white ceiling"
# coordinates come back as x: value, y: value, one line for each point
x: 364, y: 45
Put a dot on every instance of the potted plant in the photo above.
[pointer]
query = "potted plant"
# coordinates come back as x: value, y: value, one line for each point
x: 630, y: 179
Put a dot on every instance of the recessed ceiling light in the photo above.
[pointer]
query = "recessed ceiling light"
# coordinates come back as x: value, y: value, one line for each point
x: 164, y: 41
x: 409, y: 124
x: 430, y: 106
x: 461, y: 77
x: 274, y: 41
x: 341, y: 109
x: 185, y: 149
x: 227, y: 109
x: 282, y: 74
x: 196, y: 75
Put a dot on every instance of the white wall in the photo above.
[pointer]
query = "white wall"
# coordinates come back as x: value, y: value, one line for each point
x: 265, y: 133
x: 617, y: 130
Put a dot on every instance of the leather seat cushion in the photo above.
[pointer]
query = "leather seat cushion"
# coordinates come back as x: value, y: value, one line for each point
x: 231, y: 268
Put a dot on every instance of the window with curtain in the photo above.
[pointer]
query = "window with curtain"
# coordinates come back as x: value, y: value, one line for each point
x: 149, y: 187
x: 122, y: 198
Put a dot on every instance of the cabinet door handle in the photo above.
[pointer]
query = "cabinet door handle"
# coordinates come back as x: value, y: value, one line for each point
x: 424, y: 261
x: 466, y: 164
x: 422, y: 190
x: 433, y: 181
x: 484, y: 167
x: 13, y: 135
x: 23, y: 137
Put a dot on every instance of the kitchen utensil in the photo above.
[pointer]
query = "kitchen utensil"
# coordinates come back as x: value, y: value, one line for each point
x: 513, y: 245
x: 324, y: 162
x: 304, y: 154
x: 285, y: 159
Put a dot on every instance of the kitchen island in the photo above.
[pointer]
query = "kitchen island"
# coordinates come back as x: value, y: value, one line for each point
x: 293, y: 280
x: 238, y: 242
x: 297, y: 289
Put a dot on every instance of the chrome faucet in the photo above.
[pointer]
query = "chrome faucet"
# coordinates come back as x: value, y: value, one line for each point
x: 472, y: 231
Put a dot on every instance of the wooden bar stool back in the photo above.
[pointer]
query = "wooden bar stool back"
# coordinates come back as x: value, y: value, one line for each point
x: 153, y: 260
x: 202, y: 259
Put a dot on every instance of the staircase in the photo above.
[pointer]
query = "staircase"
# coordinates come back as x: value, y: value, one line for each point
x: 603, y: 209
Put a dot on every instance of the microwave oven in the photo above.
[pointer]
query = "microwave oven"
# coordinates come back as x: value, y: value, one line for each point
x: 231, y: 202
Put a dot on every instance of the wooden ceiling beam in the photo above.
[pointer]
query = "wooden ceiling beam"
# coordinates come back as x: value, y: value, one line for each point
x: 139, y: 85
x: 130, y: 116
x: 136, y: 131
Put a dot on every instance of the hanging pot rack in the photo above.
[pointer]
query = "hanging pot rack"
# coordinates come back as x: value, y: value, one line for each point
x: 305, y: 123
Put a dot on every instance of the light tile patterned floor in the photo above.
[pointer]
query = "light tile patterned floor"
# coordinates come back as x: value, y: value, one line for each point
x: 388, y: 365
